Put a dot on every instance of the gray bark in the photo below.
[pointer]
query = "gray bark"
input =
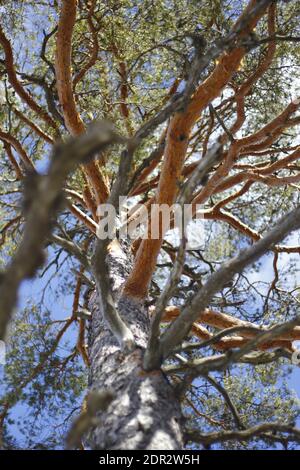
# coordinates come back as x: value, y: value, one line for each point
x: 145, y: 413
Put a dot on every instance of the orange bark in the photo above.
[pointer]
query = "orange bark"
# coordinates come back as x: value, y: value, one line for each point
x: 272, y: 129
x: 84, y: 218
x: 23, y: 94
x: 34, y: 127
x: 18, y: 171
x: 217, y: 214
x: 89, y: 201
x: 177, y: 140
x: 63, y: 72
x: 18, y: 148
x: 223, y: 321
x: 231, y: 342
x: 265, y: 135
x: 261, y: 69
x: 265, y: 170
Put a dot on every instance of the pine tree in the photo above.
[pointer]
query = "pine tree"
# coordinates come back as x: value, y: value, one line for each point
x: 136, y: 342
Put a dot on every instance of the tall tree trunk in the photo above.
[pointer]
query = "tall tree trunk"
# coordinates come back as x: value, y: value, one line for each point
x: 145, y: 413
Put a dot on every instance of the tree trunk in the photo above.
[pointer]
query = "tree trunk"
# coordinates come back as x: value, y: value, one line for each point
x: 145, y: 413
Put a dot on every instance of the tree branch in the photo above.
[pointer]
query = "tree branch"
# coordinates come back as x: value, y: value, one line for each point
x: 182, y: 325
x: 44, y: 201
x: 23, y: 94
x: 181, y: 125
x: 293, y: 434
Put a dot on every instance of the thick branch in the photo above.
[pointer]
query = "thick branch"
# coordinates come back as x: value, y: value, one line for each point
x: 182, y: 325
x: 178, y: 138
x: 222, y: 321
x: 290, y: 434
x: 44, y: 203
x: 63, y: 67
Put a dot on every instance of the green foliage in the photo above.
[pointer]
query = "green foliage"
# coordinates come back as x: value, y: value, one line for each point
x: 152, y: 39
x: 260, y: 394
x: 43, y: 387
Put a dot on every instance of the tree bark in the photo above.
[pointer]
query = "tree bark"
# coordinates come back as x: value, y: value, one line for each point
x: 145, y: 413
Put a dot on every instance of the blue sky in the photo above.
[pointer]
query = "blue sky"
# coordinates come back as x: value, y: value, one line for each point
x: 60, y: 306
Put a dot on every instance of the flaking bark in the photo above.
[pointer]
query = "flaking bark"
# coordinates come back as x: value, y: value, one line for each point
x: 145, y: 413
